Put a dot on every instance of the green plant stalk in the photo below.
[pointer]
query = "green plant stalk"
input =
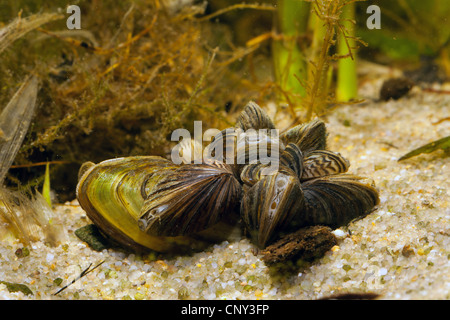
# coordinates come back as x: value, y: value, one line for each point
x: 347, y: 82
x: 317, y: 94
x: 289, y: 61
x: 319, y: 31
x: 46, y: 186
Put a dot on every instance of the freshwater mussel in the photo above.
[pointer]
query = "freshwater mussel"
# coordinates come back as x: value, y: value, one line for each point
x: 149, y: 202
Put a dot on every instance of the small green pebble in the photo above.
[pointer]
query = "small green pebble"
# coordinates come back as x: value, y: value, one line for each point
x: 346, y: 267
x: 241, y: 269
x: 183, y: 293
x: 139, y: 296
x: 220, y: 292
x: 248, y: 288
x: 57, y: 281
x: 110, y: 274
x: 151, y: 256
x: 300, y: 263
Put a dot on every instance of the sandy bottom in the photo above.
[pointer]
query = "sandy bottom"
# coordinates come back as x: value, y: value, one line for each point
x: 400, y: 251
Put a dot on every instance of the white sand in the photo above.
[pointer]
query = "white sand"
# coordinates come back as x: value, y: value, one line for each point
x: 414, y: 213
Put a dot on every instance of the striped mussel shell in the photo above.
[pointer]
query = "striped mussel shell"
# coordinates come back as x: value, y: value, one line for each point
x: 269, y: 205
x: 239, y: 148
x: 253, y: 139
x: 308, y: 136
x: 314, y: 191
x: 319, y: 163
x: 317, y: 190
x: 130, y: 200
x: 253, y: 117
x: 190, y: 199
x: 332, y: 197
x: 335, y: 200
x: 151, y: 203
x: 291, y: 158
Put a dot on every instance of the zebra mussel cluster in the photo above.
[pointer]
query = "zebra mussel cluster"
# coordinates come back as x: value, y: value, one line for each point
x: 148, y: 202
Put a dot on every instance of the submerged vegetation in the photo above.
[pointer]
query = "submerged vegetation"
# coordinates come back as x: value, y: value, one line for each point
x: 120, y: 85
x: 304, y: 72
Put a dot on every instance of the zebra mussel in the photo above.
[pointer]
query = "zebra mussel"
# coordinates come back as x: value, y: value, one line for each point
x: 148, y: 202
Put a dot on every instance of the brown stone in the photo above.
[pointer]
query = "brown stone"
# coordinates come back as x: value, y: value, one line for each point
x: 307, y: 244
x: 395, y: 88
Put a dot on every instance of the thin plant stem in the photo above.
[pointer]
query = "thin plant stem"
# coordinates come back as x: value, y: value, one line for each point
x: 347, y: 82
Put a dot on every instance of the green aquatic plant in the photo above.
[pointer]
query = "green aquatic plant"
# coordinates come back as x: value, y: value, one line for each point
x: 117, y: 87
x: 15, y: 120
x: 22, y: 216
x: 17, y: 287
x: 330, y: 13
x: 289, y: 59
x: 46, y: 186
x: 347, y: 81
x: 443, y: 144
x: 305, y: 71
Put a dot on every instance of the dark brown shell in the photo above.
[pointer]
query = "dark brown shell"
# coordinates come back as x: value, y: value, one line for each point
x: 190, y: 199
x: 336, y: 200
x: 253, y: 117
x: 308, y: 137
x: 292, y: 158
x: 320, y: 163
x: 270, y: 204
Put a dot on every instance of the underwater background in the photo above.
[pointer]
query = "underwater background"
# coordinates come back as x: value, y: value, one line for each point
x: 120, y: 77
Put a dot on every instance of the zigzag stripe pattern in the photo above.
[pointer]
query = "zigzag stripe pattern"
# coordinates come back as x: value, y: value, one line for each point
x: 321, y: 163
